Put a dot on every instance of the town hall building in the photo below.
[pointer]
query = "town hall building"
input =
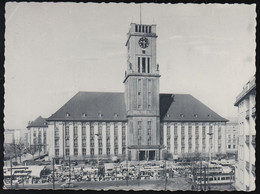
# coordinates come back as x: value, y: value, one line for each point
x: 139, y: 124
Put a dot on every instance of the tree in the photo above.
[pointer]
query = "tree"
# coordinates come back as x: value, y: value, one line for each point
x: 31, y: 150
x: 20, y: 148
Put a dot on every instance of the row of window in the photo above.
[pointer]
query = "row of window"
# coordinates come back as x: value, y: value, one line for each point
x: 75, y: 153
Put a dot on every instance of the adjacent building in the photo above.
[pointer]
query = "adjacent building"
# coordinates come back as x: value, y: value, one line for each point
x: 139, y: 124
x: 245, y: 170
x: 232, y: 135
x: 37, y: 134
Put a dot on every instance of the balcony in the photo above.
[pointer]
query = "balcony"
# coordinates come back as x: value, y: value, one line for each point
x: 247, y: 140
x: 253, y: 169
x: 247, y: 114
x: 253, y: 140
x: 253, y: 112
x: 247, y: 166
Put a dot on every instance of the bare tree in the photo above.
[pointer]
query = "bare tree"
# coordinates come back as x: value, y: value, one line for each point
x: 20, y: 148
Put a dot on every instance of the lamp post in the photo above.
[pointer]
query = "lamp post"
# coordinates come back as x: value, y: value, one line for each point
x: 210, y: 144
x: 97, y: 154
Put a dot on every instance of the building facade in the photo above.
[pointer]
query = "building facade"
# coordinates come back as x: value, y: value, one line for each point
x: 232, y: 136
x: 37, y: 134
x: 245, y: 170
x: 139, y: 124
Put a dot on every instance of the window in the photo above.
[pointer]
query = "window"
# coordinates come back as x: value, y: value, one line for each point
x: 108, y: 131
x: 108, y: 151
x: 92, y: 151
x: 143, y: 64
x: 56, y: 132
x: 229, y: 146
x: 100, y: 129
x: 210, y: 129
x: 123, y: 151
x: 83, y: 142
x: 148, y: 65
x: 203, y: 131
x: 84, y: 152
x: 92, y: 142
x: 189, y: 131
x: 139, y: 140
x: 234, y: 146
x: 57, y: 153
x: 116, y: 141
x: 116, y: 130
x: 149, y: 140
x: 99, y: 142
x: 116, y: 151
x: 75, y: 142
x: 175, y: 130
x: 168, y: 130
x: 75, y: 131
x: 91, y: 130
x: 138, y: 64
x: 99, y: 151
x: 149, y: 131
x: 67, y: 131
x: 75, y: 152
x: 67, y: 152
x: 108, y: 141
x: 123, y: 141
x: 67, y: 142
x: 57, y: 142
x: 83, y: 130
x: 123, y: 129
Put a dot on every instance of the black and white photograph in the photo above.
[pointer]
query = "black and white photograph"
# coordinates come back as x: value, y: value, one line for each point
x: 129, y: 96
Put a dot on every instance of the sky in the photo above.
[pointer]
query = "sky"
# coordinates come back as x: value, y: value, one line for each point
x: 54, y: 50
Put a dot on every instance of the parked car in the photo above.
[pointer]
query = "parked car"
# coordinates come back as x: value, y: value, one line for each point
x: 68, y: 185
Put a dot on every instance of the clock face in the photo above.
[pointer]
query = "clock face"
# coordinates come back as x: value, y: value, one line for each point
x: 143, y: 42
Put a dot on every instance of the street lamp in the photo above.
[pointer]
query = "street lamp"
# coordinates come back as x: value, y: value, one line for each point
x: 97, y: 153
x: 210, y: 144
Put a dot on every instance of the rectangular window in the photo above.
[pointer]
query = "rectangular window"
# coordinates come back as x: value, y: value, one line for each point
x: 67, y: 131
x: 139, y: 140
x: 149, y: 29
x: 83, y: 142
x: 57, y: 153
x: 108, y: 142
x: 116, y: 130
x: 138, y: 64
x: 100, y: 142
x: 75, y: 152
x: 116, y: 151
x: 168, y: 130
x: 149, y: 140
x: 99, y: 151
x: 92, y: 151
x: 92, y: 142
x: 210, y: 129
x: 100, y: 129
x: 83, y: 130
x: 84, y: 153
x: 108, y: 130
x: 108, y: 151
x: 123, y: 141
x: 123, y: 130
x: 75, y: 142
x: 67, y: 142
x: 57, y: 142
x: 203, y: 131
x: 75, y: 131
x: 116, y: 141
x: 149, y: 131
x: 67, y: 152
x: 148, y: 65
x: 91, y: 130
x: 143, y: 64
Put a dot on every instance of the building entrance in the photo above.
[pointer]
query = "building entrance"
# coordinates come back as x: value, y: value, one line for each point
x: 151, y: 155
x: 141, y: 155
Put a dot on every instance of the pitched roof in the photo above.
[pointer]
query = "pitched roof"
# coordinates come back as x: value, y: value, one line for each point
x: 39, y: 122
x: 97, y: 106
x: 87, y: 106
x: 184, y: 107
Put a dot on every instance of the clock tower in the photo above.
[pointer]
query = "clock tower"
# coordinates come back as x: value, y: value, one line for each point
x: 142, y: 93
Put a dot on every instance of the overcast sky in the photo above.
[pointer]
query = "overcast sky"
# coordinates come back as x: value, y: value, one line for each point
x: 54, y: 50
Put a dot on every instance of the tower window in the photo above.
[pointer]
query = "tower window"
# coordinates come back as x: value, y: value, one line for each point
x: 149, y: 29
x: 143, y: 64
x: 143, y: 29
x: 148, y: 65
x: 139, y: 28
x: 146, y: 30
x: 136, y: 28
x: 138, y: 64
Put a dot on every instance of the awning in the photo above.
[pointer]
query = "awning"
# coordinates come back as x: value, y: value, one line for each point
x: 36, y: 170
